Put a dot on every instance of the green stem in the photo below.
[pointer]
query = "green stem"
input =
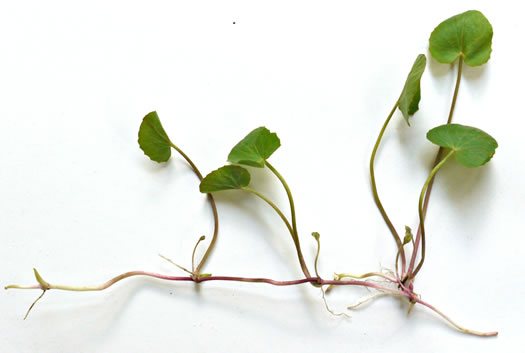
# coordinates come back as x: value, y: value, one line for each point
x: 290, y: 229
x: 439, y: 155
x: 292, y: 205
x: 456, y: 90
x: 316, y: 236
x: 421, y: 214
x: 290, y: 198
x: 376, y: 195
x: 213, y: 209
x: 193, y: 255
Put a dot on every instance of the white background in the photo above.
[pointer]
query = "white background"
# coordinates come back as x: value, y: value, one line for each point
x: 81, y: 203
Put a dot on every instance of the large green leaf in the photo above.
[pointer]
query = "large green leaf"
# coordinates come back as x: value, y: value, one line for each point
x: 229, y: 177
x: 411, y: 94
x: 255, y: 148
x: 472, y: 147
x: 153, y: 140
x: 468, y: 34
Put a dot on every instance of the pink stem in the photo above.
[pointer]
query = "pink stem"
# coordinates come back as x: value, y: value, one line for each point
x: 316, y: 280
x: 405, y: 292
x: 273, y: 282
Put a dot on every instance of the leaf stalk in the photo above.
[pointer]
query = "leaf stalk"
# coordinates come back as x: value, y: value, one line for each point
x: 420, y: 206
x: 411, y: 272
x: 393, y: 230
x: 213, y: 209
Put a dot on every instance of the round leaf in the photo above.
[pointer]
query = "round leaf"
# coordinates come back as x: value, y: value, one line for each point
x: 468, y: 34
x: 153, y: 140
x: 472, y: 147
x: 255, y: 148
x: 411, y: 94
x: 229, y: 177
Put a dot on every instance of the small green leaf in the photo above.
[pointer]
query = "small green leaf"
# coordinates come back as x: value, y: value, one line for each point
x: 229, y: 177
x: 408, y: 235
x: 316, y: 235
x: 255, y: 148
x: 411, y: 94
x: 472, y: 147
x: 153, y: 140
x: 468, y: 34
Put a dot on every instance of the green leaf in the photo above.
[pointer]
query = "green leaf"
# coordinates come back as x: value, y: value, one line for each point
x: 472, y: 147
x: 468, y: 34
x: 153, y: 140
x: 255, y: 148
x: 229, y: 177
x: 411, y: 94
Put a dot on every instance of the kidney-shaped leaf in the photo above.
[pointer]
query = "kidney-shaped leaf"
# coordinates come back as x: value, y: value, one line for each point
x: 229, y: 177
x: 255, y: 148
x: 153, y: 140
x: 411, y: 94
x: 468, y: 34
x: 472, y: 147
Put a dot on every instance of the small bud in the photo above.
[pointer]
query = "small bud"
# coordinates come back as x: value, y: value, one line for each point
x: 408, y: 235
x: 43, y: 284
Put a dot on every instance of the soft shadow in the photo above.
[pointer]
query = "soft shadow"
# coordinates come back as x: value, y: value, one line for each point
x: 409, y: 138
x: 167, y: 172
x: 474, y: 73
x: 406, y: 134
x: 225, y: 300
x: 437, y: 69
x: 462, y: 184
x: 153, y: 167
x: 101, y: 311
x: 477, y: 79
x: 248, y: 206
x: 464, y: 188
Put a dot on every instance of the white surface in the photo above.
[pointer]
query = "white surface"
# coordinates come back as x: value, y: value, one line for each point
x: 81, y: 202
